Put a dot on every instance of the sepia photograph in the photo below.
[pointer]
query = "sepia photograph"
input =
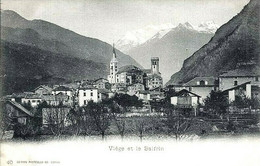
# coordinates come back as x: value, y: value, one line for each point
x: 130, y: 82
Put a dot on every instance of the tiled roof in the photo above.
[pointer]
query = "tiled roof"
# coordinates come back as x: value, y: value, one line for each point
x: 211, y: 81
x: 237, y: 87
x: 87, y: 87
x: 21, y: 95
x: 183, y: 91
x: 144, y: 92
x: 100, y: 80
x: 62, y: 88
x: 43, y: 86
x: 20, y: 107
x: 104, y: 91
x: 33, y: 96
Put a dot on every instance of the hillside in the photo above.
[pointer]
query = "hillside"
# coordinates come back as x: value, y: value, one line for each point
x: 234, y: 45
x: 172, y: 47
x: 25, y: 67
x: 60, y: 40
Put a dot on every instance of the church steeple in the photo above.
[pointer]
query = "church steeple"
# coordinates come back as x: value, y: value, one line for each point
x: 113, y: 67
x: 114, y: 51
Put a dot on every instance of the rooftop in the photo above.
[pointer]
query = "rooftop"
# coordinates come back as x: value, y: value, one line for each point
x: 43, y: 86
x: 185, y: 92
x: 208, y: 81
x: 62, y: 88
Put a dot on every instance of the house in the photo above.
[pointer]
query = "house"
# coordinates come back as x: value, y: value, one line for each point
x: 102, y: 83
x: 90, y: 93
x: 202, y: 86
x: 32, y: 98
x: 242, y: 90
x: 156, y: 94
x: 43, y: 90
x: 17, y: 112
x: 59, y: 99
x: 119, y: 87
x: 129, y: 74
x: 236, y: 77
x: 154, y: 81
x: 17, y: 97
x: 143, y: 95
x: 186, y: 100
x: 105, y: 93
x: 134, y: 88
x: 63, y: 90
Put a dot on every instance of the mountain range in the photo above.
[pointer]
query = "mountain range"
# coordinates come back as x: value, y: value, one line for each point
x: 235, y: 45
x: 137, y: 37
x: 24, y: 38
x: 173, y: 46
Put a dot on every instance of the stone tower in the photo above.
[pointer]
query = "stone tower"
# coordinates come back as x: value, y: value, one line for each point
x: 113, y: 68
x: 155, y: 65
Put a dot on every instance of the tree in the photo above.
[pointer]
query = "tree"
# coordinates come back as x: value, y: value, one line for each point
x: 244, y: 102
x: 216, y: 103
x: 140, y: 125
x: 80, y: 122
x: 116, y: 111
x: 126, y: 101
x: 29, y: 129
x: 100, y: 116
x: 178, y: 124
x: 7, y: 120
x: 55, y: 119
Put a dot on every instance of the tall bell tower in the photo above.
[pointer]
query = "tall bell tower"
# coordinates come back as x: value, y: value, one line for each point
x: 155, y: 65
x: 113, y: 68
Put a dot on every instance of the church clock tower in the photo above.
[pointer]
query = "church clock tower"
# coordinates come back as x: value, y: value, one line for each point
x: 113, y: 68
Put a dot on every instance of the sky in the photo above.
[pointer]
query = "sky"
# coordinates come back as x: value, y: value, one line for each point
x: 109, y: 20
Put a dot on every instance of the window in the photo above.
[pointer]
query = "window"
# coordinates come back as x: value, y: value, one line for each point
x: 202, y: 82
x: 84, y: 94
x: 85, y: 102
x: 235, y: 83
x: 190, y: 88
x: 33, y: 101
x: 91, y: 94
x: 256, y: 79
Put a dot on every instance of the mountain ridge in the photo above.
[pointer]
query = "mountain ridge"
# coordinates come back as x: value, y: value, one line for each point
x: 234, y: 43
x: 80, y: 46
x: 172, y: 48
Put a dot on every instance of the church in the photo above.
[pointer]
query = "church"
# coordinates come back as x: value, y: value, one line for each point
x: 130, y: 74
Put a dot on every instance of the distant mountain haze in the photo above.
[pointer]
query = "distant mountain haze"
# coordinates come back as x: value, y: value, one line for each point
x: 172, y: 46
x: 235, y: 45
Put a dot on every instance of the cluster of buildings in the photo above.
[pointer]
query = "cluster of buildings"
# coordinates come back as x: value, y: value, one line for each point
x: 146, y: 84
x: 243, y: 82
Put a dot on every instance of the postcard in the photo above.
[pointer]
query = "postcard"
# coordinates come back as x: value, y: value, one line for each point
x: 130, y: 82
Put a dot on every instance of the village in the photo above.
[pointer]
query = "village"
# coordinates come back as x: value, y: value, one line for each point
x: 227, y: 103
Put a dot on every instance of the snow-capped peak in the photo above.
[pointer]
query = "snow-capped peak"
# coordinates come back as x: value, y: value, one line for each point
x: 208, y: 27
x: 140, y: 36
x: 137, y: 37
x: 186, y: 25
